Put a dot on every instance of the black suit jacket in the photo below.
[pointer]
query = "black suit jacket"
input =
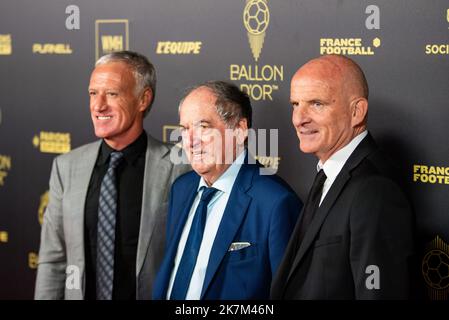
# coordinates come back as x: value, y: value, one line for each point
x: 364, y: 222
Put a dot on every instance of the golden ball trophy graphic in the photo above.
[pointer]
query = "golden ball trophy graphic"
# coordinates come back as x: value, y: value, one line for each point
x: 256, y: 17
x: 435, y: 269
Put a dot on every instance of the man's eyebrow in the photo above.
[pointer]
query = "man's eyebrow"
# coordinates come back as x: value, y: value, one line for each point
x: 202, y: 121
x: 197, y: 122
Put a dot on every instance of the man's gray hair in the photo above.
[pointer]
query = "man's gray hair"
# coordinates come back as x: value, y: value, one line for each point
x: 232, y: 103
x: 142, y: 68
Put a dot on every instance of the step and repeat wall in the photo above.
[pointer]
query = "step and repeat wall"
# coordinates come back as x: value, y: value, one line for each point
x: 48, y: 49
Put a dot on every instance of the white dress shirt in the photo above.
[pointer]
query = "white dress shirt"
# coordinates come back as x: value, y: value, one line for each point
x: 335, y: 163
x: 215, y: 210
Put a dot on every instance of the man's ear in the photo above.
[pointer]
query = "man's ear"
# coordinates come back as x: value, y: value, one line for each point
x: 242, y: 131
x: 359, y: 111
x: 145, y: 99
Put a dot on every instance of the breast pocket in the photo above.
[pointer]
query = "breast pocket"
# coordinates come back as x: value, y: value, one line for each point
x: 242, y: 254
x: 326, y: 241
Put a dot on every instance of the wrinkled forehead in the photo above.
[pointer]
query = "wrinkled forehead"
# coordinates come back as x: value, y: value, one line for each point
x: 113, y: 71
x: 320, y: 69
x: 199, y: 104
x: 321, y: 74
x: 200, y: 96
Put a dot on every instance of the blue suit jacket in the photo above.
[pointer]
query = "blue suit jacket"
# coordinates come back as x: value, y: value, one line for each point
x: 261, y: 210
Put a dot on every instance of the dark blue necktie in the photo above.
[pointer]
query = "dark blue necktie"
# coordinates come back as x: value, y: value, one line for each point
x: 192, y: 247
x: 107, y: 209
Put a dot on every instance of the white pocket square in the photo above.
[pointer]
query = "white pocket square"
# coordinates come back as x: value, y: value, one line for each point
x: 238, y: 246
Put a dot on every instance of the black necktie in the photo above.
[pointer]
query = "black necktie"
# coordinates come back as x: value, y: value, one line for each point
x: 192, y: 247
x: 107, y: 210
x: 311, y: 206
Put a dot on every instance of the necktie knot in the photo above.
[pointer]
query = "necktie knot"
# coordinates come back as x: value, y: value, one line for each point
x: 115, y: 159
x: 207, y: 194
x: 319, y: 180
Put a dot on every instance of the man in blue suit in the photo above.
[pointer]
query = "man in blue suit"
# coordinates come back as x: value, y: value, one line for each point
x: 228, y: 223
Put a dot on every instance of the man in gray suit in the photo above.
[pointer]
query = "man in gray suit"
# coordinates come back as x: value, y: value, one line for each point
x: 103, y: 230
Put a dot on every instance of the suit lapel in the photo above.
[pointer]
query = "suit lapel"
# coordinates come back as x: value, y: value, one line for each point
x: 365, y: 147
x: 80, y: 177
x: 184, y: 203
x: 185, y: 206
x: 155, y: 181
x: 233, y: 216
x: 319, y: 218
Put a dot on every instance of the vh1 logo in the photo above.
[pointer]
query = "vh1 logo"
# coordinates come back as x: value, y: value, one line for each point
x: 111, y: 35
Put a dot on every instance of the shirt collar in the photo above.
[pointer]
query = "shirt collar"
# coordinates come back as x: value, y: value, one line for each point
x: 335, y: 163
x: 226, y: 181
x: 130, y: 153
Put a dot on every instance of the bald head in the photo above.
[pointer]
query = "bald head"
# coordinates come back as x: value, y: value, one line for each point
x: 329, y: 96
x: 343, y: 70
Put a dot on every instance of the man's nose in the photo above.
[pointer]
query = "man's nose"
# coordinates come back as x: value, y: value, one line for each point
x: 99, y: 103
x: 188, y: 137
x: 196, y: 137
x: 299, y: 115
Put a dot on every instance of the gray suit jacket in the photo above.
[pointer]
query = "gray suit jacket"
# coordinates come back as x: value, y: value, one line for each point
x: 61, y: 269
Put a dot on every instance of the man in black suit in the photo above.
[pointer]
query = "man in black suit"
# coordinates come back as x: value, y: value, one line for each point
x: 354, y: 237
